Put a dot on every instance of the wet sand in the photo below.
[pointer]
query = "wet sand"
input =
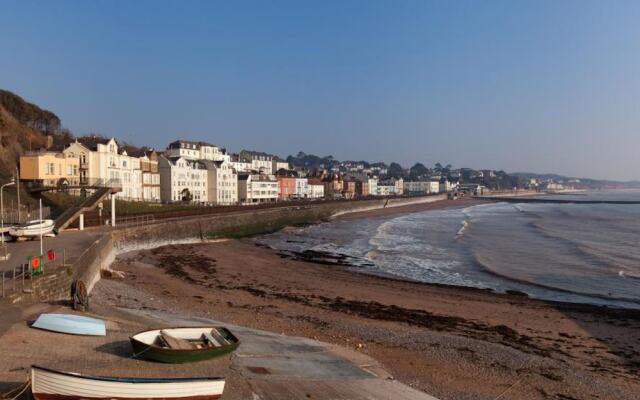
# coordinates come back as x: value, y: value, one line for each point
x: 451, y: 342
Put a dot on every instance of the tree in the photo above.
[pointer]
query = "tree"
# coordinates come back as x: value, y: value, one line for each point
x: 186, y: 195
x: 395, y: 170
x: 418, y: 171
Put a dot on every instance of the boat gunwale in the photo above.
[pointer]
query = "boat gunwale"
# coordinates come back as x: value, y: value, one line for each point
x: 131, y: 380
x: 235, y: 344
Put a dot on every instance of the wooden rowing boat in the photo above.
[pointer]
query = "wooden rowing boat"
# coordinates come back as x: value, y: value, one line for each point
x: 182, y: 345
x: 49, y: 384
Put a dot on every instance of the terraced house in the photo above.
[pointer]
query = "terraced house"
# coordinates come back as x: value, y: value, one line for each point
x: 103, y: 161
x: 182, y: 180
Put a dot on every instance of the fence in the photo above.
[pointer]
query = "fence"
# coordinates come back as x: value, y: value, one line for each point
x: 135, y: 220
x: 15, y: 217
x: 20, y: 278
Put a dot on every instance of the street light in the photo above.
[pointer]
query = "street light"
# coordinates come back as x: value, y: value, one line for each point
x: 2, y: 208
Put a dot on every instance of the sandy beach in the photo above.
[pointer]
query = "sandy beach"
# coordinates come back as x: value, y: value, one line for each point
x: 451, y: 342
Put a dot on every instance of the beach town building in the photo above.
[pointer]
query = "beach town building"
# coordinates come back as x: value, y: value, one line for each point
x: 240, y: 165
x: 222, y: 182
x: 315, y: 188
x: 417, y: 187
x: 150, y: 176
x: 333, y: 185
x: 385, y: 189
x: 399, y: 184
x: 349, y: 190
x: 182, y: 180
x: 257, y: 188
x: 191, y: 150
x: 373, y: 185
x: 301, y: 191
x: 50, y: 169
x: 434, y: 187
x: 279, y: 164
x: 261, y: 162
x: 103, y: 161
x: 286, y: 184
x: 446, y: 186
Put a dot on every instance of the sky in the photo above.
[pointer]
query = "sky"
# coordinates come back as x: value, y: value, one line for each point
x: 524, y: 86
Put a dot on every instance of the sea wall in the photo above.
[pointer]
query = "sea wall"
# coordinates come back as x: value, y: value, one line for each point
x: 101, y: 253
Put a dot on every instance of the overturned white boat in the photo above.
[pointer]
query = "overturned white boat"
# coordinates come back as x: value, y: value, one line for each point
x: 33, y: 228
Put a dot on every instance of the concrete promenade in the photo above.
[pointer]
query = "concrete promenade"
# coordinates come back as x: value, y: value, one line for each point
x: 265, y: 366
x: 72, y: 243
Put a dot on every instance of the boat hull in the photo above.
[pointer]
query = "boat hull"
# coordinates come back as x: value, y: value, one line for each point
x: 148, y: 352
x: 49, y: 384
x: 71, y: 324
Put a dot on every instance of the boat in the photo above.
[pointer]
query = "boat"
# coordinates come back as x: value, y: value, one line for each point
x: 49, y: 384
x: 33, y: 228
x: 70, y: 323
x: 182, y: 345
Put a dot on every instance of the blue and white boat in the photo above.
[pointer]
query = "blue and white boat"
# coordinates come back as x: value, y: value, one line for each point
x: 72, y: 324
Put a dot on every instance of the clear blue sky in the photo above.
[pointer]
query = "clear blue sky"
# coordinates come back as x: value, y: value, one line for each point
x: 544, y: 86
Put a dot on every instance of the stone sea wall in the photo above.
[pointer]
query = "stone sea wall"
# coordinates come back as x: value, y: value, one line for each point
x: 99, y: 256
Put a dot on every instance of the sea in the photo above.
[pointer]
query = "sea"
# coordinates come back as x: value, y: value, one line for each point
x: 582, y: 253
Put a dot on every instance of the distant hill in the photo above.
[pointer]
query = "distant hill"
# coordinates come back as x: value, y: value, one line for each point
x: 23, y: 126
x: 581, y: 182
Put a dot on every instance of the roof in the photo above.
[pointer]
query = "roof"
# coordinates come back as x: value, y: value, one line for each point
x: 208, y: 164
x: 198, y: 144
x: 91, y: 142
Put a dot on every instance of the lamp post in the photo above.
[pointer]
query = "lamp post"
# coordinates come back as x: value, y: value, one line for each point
x: 2, y: 207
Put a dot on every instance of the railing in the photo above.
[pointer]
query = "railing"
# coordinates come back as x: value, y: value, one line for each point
x: 134, y: 221
x: 19, y: 279
x: 15, y: 217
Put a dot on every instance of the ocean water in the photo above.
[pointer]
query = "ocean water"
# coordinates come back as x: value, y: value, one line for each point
x: 586, y: 253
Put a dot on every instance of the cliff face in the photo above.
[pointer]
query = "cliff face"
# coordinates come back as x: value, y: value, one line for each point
x: 23, y: 126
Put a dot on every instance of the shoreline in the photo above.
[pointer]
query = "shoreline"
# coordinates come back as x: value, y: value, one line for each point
x: 449, y: 341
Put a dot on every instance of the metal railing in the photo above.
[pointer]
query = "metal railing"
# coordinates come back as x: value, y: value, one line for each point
x: 19, y: 279
x: 135, y: 220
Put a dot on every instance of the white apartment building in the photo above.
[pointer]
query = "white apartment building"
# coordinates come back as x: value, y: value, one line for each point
x: 386, y: 190
x: 222, y: 182
x: 278, y: 164
x: 257, y: 188
x: 261, y: 162
x: 434, y: 187
x: 240, y: 165
x: 182, y: 179
x: 301, y: 190
x: 373, y: 186
x: 315, y: 191
x: 417, y: 187
x: 102, y: 161
x: 191, y: 150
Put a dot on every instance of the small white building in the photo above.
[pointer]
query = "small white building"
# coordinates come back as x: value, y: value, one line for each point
x: 182, y: 179
x: 434, y: 187
x: 386, y: 190
x: 279, y: 164
x: 261, y: 162
x: 257, y: 188
x: 315, y: 191
x: 373, y: 186
x: 417, y: 187
x: 191, y: 150
x: 301, y: 190
x: 222, y: 182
